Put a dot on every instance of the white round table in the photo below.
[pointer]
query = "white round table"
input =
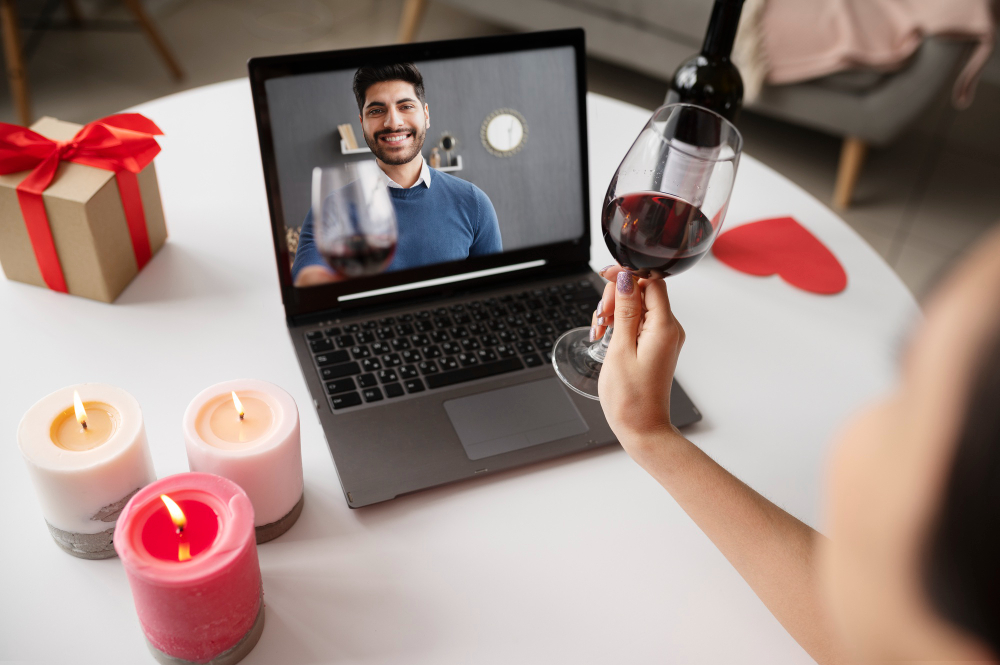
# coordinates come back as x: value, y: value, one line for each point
x: 580, y: 560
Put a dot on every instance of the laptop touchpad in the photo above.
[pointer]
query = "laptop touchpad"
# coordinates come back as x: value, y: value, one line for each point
x: 520, y: 416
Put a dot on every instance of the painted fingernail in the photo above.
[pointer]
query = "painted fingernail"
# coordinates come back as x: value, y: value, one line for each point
x: 600, y: 307
x: 625, y: 282
x: 605, y: 268
x: 600, y: 320
x: 593, y: 333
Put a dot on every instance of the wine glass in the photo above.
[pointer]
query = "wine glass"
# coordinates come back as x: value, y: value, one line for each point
x: 662, y: 212
x: 354, y: 219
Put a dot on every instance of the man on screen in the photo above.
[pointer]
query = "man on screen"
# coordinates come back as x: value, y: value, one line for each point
x: 440, y: 217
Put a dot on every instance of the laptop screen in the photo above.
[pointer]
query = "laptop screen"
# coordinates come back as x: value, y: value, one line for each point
x: 481, y: 155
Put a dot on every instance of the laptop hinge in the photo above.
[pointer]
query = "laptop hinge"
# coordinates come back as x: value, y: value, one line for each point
x: 367, y: 306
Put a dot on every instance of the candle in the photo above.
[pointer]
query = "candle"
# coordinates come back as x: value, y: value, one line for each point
x: 188, y: 546
x: 170, y: 535
x: 86, y: 452
x: 84, y: 426
x: 248, y: 431
x: 236, y: 425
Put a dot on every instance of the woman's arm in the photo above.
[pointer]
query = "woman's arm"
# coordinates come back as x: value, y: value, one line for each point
x: 774, y: 552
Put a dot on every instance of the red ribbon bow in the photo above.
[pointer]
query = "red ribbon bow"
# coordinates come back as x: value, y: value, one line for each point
x: 122, y: 143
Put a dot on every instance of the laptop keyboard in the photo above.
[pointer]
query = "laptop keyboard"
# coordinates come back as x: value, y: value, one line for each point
x: 383, y: 358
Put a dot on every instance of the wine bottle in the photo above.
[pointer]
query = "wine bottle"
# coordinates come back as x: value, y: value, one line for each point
x: 710, y: 79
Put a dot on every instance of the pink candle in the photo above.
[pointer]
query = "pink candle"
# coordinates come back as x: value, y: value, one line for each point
x: 187, y: 543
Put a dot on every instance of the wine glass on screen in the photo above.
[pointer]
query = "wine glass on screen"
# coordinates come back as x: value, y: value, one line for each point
x: 354, y: 219
x: 662, y: 212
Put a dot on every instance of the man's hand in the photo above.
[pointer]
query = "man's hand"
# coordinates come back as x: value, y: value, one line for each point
x: 314, y: 275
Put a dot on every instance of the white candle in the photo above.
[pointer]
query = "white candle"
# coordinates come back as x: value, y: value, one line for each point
x: 85, y: 465
x: 248, y: 431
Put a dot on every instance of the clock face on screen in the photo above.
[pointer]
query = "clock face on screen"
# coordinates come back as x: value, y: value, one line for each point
x: 504, y: 132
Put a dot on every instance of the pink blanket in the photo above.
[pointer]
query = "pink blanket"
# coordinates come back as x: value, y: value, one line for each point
x: 806, y: 39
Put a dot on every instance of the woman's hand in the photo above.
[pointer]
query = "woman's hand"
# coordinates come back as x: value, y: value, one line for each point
x: 774, y: 552
x: 635, y: 381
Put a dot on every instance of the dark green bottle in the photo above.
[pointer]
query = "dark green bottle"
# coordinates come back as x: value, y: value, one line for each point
x: 710, y: 78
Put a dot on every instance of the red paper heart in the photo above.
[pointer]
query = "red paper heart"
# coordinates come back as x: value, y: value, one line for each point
x: 783, y: 247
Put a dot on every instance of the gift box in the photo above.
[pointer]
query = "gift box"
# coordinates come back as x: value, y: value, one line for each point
x: 80, y: 208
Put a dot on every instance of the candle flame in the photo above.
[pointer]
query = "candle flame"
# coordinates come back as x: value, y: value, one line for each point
x: 81, y: 413
x: 183, y: 551
x: 176, y: 514
x: 238, y: 404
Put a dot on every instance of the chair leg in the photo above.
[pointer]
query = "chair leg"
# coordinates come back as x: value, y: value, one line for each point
x: 409, y: 23
x: 135, y: 6
x: 14, y: 55
x: 852, y: 157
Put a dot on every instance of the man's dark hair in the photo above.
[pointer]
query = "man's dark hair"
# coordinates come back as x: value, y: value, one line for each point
x: 369, y: 75
x: 962, y: 564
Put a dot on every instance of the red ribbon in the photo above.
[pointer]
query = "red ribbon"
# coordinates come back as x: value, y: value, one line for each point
x: 122, y: 143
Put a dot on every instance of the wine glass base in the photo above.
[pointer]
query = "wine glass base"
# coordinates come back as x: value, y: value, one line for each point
x: 573, y: 363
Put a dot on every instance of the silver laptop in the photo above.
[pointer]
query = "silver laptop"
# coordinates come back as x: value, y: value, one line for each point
x: 438, y: 368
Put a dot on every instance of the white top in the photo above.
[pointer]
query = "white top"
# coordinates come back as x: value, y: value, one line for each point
x: 579, y: 560
x: 425, y: 176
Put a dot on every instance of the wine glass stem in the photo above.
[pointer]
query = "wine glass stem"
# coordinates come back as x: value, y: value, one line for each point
x: 599, y: 349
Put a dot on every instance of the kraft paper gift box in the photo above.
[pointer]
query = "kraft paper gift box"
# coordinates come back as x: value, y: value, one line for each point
x: 101, y: 219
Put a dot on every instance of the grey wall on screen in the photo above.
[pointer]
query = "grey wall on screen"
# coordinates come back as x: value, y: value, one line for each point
x: 536, y: 192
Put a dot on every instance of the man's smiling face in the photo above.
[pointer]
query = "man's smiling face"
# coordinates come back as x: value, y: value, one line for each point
x: 394, y: 122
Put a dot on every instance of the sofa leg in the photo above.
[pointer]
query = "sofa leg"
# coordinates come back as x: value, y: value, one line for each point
x: 852, y: 157
x: 409, y: 23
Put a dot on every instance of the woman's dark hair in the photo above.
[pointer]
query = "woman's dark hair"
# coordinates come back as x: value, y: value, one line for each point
x: 369, y: 75
x: 962, y: 568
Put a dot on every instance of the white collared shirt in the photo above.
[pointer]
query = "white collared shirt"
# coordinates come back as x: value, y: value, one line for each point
x: 425, y: 176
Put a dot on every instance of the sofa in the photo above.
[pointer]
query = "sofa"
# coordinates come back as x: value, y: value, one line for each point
x: 654, y: 36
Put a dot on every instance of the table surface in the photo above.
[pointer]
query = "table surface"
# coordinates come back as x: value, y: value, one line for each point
x: 583, y: 559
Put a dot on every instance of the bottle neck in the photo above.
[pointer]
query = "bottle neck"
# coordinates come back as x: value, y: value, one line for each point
x: 722, y: 28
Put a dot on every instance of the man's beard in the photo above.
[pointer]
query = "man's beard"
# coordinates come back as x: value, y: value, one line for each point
x: 397, y: 159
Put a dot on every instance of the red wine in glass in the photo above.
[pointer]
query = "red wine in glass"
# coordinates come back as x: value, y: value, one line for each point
x: 653, y: 232
x: 355, y: 220
x: 357, y: 255
x: 664, y: 207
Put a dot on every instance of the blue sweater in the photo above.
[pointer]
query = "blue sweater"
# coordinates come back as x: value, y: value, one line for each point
x: 449, y: 221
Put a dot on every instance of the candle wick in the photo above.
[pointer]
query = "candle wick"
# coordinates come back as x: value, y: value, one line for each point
x: 241, y: 416
x: 84, y: 423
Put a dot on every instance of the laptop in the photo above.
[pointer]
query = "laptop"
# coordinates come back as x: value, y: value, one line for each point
x: 438, y: 368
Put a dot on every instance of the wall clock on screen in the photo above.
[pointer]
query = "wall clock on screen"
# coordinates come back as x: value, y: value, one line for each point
x: 504, y: 132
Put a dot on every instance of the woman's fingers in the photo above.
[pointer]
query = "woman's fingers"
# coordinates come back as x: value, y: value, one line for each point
x: 605, y: 311
x: 610, y: 272
x: 659, y: 318
x: 635, y: 381
x: 656, y: 300
x: 628, y: 313
x: 604, y: 314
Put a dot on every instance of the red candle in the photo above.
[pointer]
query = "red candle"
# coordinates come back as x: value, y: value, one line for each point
x: 180, y: 530
x: 189, y: 550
